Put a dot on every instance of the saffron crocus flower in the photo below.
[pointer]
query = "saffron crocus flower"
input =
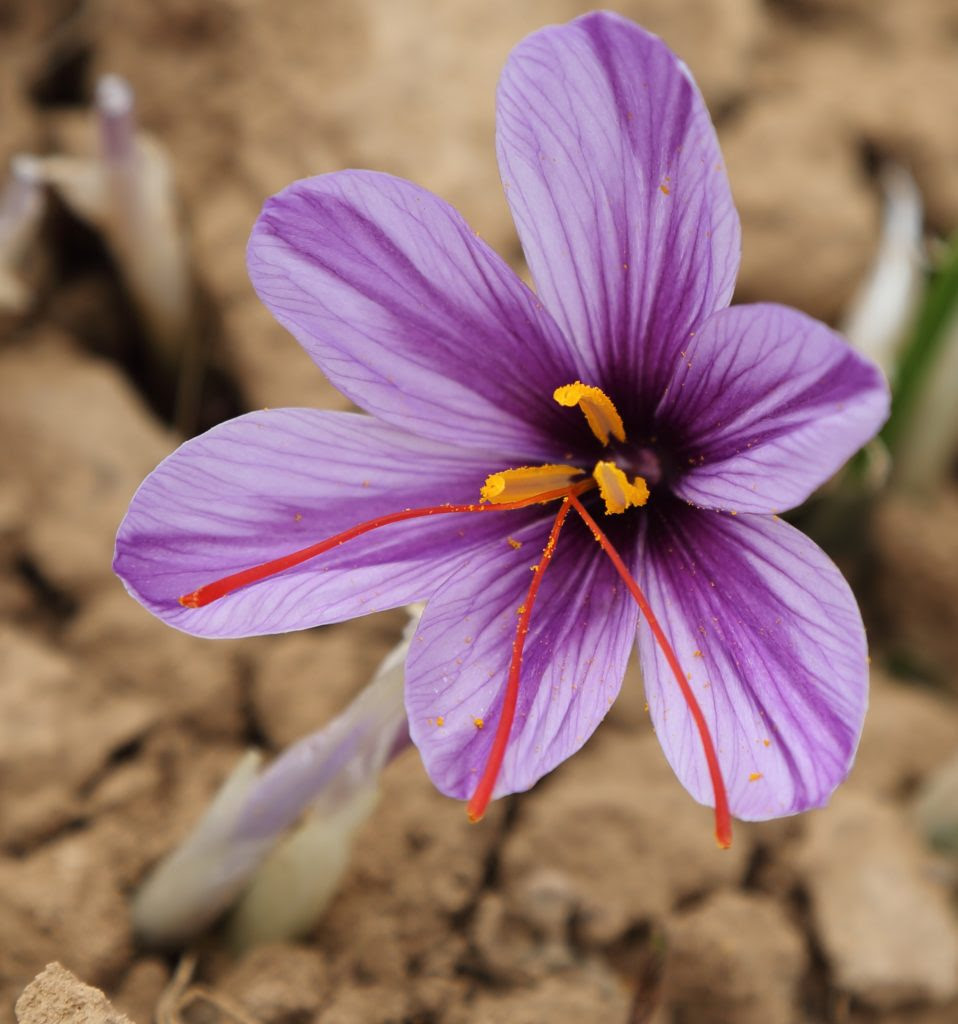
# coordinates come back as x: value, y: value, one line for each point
x: 620, y: 432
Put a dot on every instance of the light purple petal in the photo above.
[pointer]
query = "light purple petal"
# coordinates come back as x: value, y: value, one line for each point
x: 580, y: 637
x: 771, y: 638
x: 273, y: 482
x: 409, y: 314
x: 619, y: 193
x: 768, y: 404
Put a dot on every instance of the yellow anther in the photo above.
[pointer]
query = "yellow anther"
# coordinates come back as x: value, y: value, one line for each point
x: 615, y: 489
x: 601, y: 415
x: 527, y: 482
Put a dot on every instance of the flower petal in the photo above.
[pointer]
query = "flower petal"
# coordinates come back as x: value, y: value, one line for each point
x: 276, y: 481
x: 769, y: 403
x: 616, y: 182
x: 580, y: 637
x: 408, y: 313
x: 774, y: 646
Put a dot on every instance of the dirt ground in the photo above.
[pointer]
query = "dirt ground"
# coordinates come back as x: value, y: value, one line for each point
x: 599, y: 896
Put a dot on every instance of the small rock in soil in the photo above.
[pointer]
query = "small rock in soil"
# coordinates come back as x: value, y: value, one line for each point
x: 734, y: 959
x: 279, y: 984
x: 781, y: 147
x: 590, y: 992
x: 625, y: 836
x: 917, y: 544
x: 384, y: 1004
x: 81, y: 440
x: 519, y: 942
x: 59, y: 724
x: 418, y: 866
x: 142, y: 988
x: 936, y: 807
x: 55, y: 996
x: 909, y: 732
x: 185, y: 679
x: 888, y: 931
x: 64, y: 900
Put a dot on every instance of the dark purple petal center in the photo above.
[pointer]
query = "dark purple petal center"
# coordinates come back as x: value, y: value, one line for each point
x: 647, y: 463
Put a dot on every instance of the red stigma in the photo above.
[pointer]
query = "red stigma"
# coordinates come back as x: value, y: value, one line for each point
x: 479, y: 801
x: 211, y: 592
x: 723, y: 818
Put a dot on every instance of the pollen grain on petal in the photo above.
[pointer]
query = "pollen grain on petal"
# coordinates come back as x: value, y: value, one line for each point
x: 615, y: 489
x: 600, y: 412
x: 527, y: 481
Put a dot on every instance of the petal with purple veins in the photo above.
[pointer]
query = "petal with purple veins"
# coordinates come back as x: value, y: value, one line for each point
x: 409, y: 313
x: 768, y: 403
x: 615, y: 179
x: 273, y: 482
x: 581, y: 633
x: 772, y: 641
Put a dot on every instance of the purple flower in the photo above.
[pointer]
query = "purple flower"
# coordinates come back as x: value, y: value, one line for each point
x: 696, y: 424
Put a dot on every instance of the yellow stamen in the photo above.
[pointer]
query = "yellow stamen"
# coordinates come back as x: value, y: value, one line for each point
x: 601, y: 415
x: 615, y: 489
x: 527, y: 482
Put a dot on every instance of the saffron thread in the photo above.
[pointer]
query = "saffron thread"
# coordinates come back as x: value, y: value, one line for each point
x: 479, y: 801
x: 723, y: 818
x: 211, y: 592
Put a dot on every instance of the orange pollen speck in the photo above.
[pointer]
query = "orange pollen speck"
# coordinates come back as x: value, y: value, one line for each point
x: 754, y: 776
x: 478, y: 723
x: 440, y: 721
x: 513, y: 543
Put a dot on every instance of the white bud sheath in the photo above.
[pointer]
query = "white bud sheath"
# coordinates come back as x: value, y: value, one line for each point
x: 192, y: 887
x: 126, y: 192
x: 882, y: 312
x: 334, y: 771
x: 21, y: 207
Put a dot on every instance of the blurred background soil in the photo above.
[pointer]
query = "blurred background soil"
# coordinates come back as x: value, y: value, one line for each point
x: 599, y: 896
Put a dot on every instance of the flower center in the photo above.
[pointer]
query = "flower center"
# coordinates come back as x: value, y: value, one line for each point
x: 615, y: 488
x: 648, y: 464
